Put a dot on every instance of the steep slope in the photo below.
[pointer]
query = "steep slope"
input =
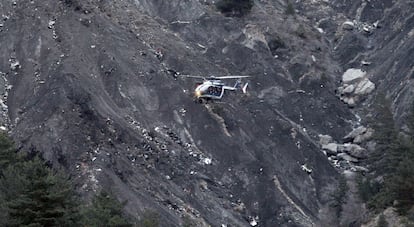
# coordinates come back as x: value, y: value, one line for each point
x: 86, y: 86
x: 376, y: 36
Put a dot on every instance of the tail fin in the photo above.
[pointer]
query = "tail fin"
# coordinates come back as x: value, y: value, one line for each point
x: 244, y: 89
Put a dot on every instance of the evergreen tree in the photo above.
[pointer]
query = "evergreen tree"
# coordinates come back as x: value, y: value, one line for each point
x: 401, y: 186
x: 234, y: 7
x: 104, y: 211
x: 149, y: 219
x: 382, y: 222
x: 339, y: 196
x: 8, y: 153
x: 35, y: 195
x: 384, y: 160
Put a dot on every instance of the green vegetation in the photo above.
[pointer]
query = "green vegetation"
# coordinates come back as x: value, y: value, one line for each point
x: 105, y: 210
x: 149, y: 219
x: 339, y: 196
x: 33, y: 194
x: 290, y: 9
x: 391, y: 178
x: 301, y: 32
x: 382, y: 222
x: 235, y: 8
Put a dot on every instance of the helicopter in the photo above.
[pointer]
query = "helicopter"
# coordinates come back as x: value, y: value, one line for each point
x: 212, y: 88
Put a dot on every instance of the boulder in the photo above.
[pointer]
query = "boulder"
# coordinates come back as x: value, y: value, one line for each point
x: 324, y: 139
x: 359, y: 169
x: 356, y: 132
x: 364, y: 87
x: 355, y: 151
x: 349, y: 100
x: 353, y: 75
x: 346, y: 157
x: 348, y: 89
x: 363, y: 137
x: 330, y: 148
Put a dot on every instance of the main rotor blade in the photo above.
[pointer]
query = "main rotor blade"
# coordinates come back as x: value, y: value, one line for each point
x: 190, y: 76
x: 228, y: 77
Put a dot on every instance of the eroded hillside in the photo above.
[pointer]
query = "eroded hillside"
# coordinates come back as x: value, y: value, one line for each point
x: 95, y: 87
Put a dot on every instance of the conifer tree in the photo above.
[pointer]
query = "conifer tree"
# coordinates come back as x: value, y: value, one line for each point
x: 105, y: 210
x: 234, y: 7
x: 8, y: 153
x: 383, y: 160
x: 35, y: 195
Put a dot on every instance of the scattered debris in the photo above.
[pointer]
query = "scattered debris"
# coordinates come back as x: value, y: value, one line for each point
x: 51, y: 24
x: 305, y: 168
x: 254, y: 221
x: 348, y: 25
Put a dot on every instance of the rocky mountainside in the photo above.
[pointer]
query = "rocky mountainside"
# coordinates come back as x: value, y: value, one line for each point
x: 95, y: 86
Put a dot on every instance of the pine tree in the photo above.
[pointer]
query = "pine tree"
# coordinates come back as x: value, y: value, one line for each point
x: 382, y: 222
x: 401, y: 186
x: 384, y: 159
x: 35, y: 195
x: 104, y: 211
x: 234, y: 7
x: 339, y: 196
x: 8, y: 153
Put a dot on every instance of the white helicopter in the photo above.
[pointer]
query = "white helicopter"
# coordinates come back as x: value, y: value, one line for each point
x: 212, y: 88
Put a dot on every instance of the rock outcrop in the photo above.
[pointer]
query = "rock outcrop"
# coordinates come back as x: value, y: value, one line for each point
x: 355, y: 86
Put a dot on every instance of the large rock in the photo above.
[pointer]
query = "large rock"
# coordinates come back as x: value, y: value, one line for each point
x: 356, y: 132
x: 324, y: 139
x: 348, y: 89
x: 350, y: 101
x: 359, y: 169
x: 346, y: 157
x: 352, y: 75
x: 364, y: 137
x: 364, y: 87
x: 330, y: 148
x: 355, y: 150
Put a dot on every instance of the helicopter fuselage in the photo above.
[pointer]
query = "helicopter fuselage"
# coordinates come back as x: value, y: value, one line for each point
x: 211, y: 89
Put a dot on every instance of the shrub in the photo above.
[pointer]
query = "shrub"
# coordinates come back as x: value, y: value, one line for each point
x: 290, y: 10
x: 235, y: 8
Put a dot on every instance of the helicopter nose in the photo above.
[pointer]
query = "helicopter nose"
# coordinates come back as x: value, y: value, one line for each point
x: 197, y: 93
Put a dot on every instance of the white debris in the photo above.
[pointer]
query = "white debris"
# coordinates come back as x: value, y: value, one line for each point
x: 313, y: 58
x: 93, y: 159
x: 3, y: 128
x: 348, y: 25
x: 15, y: 65
x: 93, y: 46
x: 207, y: 161
x: 320, y: 30
x: 366, y: 62
x: 306, y: 169
x: 51, y: 24
x: 254, y: 221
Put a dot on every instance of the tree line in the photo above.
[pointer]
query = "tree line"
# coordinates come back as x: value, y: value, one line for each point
x: 390, y: 181
x: 34, y: 194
